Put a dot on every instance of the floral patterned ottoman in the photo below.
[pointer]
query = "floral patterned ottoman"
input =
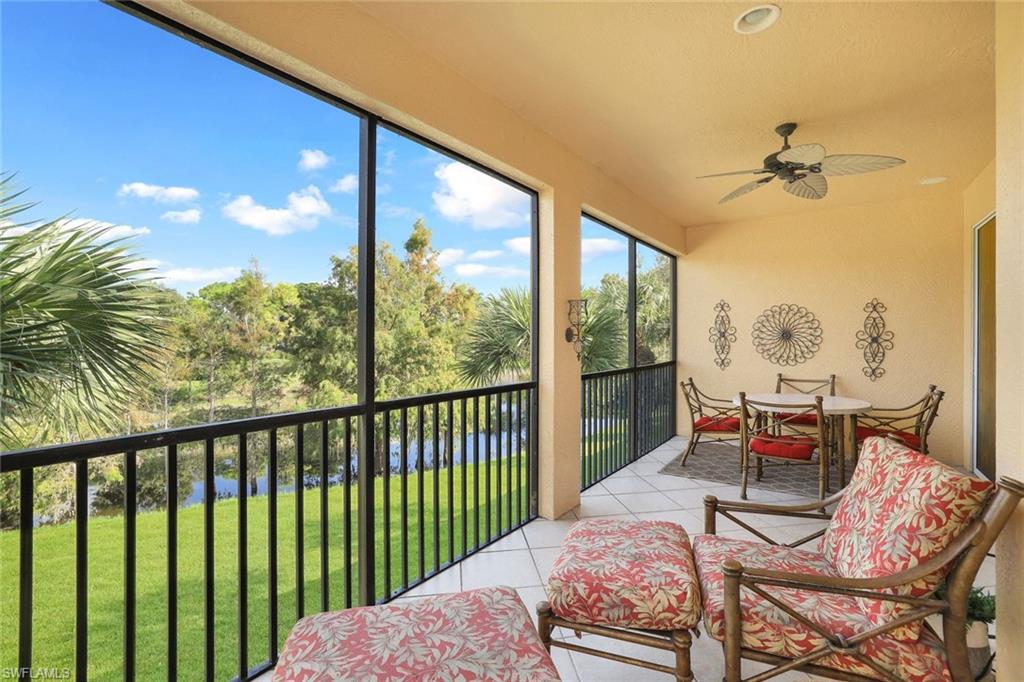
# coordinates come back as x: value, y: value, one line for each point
x: 482, y: 634
x: 633, y: 574
x: 626, y: 580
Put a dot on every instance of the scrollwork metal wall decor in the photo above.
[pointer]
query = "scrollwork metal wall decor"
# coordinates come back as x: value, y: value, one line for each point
x: 722, y: 335
x: 787, y: 334
x: 874, y: 339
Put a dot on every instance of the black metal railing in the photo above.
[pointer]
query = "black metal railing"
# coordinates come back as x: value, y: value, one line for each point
x: 626, y: 413
x: 280, y: 523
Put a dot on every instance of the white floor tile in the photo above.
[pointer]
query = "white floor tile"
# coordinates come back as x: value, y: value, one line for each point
x: 514, y: 540
x: 596, y: 489
x: 684, y: 517
x: 645, y: 467
x: 445, y: 582
x: 666, y: 482
x: 544, y: 533
x: 514, y: 568
x: 600, y: 505
x: 543, y: 558
x: 647, y: 502
x: 693, y: 498
x: 631, y: 484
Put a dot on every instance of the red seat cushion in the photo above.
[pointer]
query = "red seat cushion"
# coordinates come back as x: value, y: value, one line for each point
x: 798, y: 419
x: 718, y: 424
x: 482, y: 634
x: 911, y: 440
x: 769, y: 629
x: 789, y: 447
x: 636, y: 574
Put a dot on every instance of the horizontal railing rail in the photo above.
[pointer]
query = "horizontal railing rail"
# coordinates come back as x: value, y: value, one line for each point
x: 625, y: 413
x: 452, y: 472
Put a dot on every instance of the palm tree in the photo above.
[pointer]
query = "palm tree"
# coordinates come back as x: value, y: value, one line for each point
x: 79, y: 327
x: 498, y: 344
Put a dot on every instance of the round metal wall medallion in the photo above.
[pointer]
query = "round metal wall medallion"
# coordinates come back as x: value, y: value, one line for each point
x: 787, y: 334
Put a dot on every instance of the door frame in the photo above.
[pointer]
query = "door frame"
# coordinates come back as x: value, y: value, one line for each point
x: 975, y: 356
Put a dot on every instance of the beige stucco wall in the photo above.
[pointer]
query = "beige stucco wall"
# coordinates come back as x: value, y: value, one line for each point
x: 1010, y: 323
x: 907, y: 253
x: 342, y: 50
x: 979, y: 201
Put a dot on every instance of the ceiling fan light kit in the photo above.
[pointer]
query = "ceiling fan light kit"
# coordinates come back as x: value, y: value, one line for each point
x: 802, y: 169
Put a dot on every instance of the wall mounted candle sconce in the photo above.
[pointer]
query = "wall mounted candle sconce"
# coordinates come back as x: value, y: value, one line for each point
x: 574, y: 332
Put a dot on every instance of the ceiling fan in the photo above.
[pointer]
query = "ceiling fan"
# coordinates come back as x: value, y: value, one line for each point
x: 802, y: 169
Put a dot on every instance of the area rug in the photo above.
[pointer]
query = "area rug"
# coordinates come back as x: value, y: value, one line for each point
x: 720, y: 462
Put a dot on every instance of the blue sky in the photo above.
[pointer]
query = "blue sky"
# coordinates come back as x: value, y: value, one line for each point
x: 209, y: 163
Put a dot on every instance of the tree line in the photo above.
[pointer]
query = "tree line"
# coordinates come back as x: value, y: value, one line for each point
x: 91, y: 344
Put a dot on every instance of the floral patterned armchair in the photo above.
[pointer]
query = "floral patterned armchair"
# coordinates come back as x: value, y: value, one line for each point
x: 854, y: 608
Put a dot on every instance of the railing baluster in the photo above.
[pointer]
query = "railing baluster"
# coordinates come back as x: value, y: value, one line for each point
x: 487, y: 467
x: 272, y: 545
x: 436, y: 465
x: 325, y: 571
x: 449, y: 456
x: 421, y: 526
x: 243, y: 556
x: 519, y: 457
x: 82, y: 570
x: 499, y: 502
x: 25, y: 529
x: 465, y: 475
x: 476, y: 472
x: 209, y: 497
x: 404, y: 469
x: 300, y: 539
x: 386, y: 502
x: 130, y: 505
x: 346, y: 496
x: 508, y: 457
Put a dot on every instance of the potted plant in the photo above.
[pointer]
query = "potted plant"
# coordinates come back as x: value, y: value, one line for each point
x: 981, y: 611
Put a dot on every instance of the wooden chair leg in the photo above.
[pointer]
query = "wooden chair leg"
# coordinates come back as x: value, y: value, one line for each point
x: 732, y: 645
x: 681, y: 645
x: 760, y: 469
x: 823, y: 469
x: 544, y: 624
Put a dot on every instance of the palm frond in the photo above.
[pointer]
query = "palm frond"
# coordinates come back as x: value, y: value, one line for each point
x: 80, y: 325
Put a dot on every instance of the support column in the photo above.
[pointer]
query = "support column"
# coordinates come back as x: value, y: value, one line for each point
x: 558, y: 369
x: 1010, y: 322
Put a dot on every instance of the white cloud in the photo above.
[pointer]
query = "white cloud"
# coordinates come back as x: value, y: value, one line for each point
x: 165, y: 195
x: 189, y: 215
x: 484, y: 255
x: 346, y: 184
x: 305, y: 209
x: 465, y: 193
x: 111, y: 231
x: 313, y: 159
x: 520, y: 245
x: 600, y: 246
x: 392, y: 211
x: 478, y: 269
x: 446, y: 257
x: 194, y: 278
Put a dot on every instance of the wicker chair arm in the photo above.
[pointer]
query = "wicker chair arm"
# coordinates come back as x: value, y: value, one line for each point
x: 768, y: 508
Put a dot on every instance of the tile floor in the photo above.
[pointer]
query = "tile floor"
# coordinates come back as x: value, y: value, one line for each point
x: 523, y: 560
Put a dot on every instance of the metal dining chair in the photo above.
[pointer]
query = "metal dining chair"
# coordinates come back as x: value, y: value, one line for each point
x: 768, y: 435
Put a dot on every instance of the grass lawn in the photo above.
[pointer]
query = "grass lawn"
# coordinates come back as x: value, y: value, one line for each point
x: 54, y: 572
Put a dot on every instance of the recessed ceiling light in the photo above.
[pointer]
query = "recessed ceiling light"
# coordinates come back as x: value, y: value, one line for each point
x: 757, y: 19
x: 932, y: 181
